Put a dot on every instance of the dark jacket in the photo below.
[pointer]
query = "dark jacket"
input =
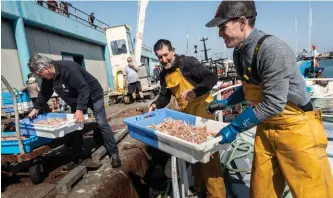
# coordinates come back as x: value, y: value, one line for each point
x: 73, y: 84
x: 197, y: 74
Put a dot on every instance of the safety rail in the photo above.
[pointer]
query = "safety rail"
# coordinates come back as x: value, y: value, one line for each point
x: 217, y: 95
x: 74, y: 13
x: 318, y: 79
x: 234, y: 86
x: 17, y: 124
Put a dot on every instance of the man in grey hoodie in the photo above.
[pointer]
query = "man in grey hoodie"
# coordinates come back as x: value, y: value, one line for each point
x: 290, y: 143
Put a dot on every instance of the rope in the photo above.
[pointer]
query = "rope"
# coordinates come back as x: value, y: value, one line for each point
x: 240, y: 144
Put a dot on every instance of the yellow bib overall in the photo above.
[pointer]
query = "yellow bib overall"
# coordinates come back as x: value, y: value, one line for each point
x: 208, y: 174
x: 289, y: 147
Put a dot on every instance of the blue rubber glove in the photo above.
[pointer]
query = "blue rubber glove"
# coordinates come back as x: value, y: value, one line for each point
x: 246, y: 120
x: 236, y: 97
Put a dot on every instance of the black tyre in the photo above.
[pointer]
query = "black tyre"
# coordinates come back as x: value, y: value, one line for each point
x: 36, y: 173
x: 112, y: 100
x: 127, y: 100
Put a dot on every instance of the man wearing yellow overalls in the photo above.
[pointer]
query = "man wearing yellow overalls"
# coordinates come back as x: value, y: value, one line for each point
x: 190, y: 82
x: 290, y: 143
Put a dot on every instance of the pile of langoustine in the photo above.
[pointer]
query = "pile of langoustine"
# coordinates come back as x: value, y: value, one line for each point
x: 11, y: 137
x: 183, y: 130
x: 51, y: 121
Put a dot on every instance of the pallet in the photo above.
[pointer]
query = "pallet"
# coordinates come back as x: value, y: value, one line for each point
x: 25, y: 157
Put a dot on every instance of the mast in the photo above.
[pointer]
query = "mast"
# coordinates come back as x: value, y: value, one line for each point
x: 296, y: 49
x: 205, y: 49
x: 310, y: 25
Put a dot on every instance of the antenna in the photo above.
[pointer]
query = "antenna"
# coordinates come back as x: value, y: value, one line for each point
x: 186, y: 43
x: 310, y: 24
x: 296, y: 49
x: 205, y: 50
x: 196, y: 51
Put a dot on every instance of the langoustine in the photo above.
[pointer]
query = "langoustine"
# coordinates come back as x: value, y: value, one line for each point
x: 183, y: 130
x: 51, y: 121
x: 11, y: 137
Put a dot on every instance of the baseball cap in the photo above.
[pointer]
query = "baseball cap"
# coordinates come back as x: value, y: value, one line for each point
x: 232, y: 9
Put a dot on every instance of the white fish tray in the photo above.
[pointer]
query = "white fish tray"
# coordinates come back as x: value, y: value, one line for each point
x: 138, y: 127
x: 27, y: 126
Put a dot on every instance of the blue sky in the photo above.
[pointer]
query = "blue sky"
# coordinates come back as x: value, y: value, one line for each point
x: 174, y: 20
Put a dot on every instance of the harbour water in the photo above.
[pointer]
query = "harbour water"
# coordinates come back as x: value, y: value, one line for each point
x: 328, y: 65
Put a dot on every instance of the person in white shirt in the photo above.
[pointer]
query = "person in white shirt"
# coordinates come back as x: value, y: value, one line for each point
x: 132, y: 77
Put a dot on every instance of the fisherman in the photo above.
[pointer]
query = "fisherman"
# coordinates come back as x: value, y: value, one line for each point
x: 80, y: 90
x: 290, y: 142
x: 190, y: 82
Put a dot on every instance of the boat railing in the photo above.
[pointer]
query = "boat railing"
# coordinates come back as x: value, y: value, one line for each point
x: 318, y: 79
x: 218, y: 93
x: 74, y: 13
x: 218, y: 96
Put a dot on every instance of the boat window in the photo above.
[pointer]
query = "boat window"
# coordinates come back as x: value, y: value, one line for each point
x: 118, y: 47
x: 130, y: 43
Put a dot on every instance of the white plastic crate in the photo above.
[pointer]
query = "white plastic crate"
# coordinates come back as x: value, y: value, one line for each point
x: 57, y: 131
x: 138, y: 127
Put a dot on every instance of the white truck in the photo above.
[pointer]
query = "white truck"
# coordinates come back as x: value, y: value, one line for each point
x: 121, y: 47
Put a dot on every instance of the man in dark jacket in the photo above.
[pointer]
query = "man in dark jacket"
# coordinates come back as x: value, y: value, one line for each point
x: 80, y: 90
x: 190, y: 83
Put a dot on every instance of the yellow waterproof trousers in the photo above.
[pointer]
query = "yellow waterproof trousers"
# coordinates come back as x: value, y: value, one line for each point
x: 292, y: 150
x: 289, y: 148
x: 210, y: 174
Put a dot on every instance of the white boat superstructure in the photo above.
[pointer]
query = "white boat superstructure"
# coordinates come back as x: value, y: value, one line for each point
x: 319, y: 91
